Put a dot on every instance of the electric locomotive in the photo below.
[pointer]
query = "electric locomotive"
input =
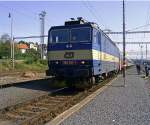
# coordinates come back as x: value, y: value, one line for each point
x: 81, y: 50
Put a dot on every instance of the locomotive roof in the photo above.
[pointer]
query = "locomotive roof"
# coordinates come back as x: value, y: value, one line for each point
x: 71, y: 26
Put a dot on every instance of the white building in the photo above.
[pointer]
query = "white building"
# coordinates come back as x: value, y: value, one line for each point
x: 33, y: 46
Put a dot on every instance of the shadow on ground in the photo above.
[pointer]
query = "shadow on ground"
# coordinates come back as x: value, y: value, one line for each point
x: 42, y: 84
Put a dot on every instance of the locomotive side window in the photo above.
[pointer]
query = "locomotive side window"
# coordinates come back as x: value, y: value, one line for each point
x: 80, y: 34
x: 59, y: 36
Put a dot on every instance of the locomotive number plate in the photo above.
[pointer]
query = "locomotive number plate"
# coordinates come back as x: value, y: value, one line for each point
x: 69, y: 55
x: 69, y: 62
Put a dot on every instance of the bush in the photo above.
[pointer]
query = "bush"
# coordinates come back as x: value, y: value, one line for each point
x: 5, y: 49
x: 29, y: 61
x: 35, y: 55
x: 44, y: 62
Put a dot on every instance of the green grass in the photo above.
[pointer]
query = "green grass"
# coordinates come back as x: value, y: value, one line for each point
x: 38, y: 66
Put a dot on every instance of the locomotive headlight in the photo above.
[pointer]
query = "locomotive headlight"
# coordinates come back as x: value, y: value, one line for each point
x: 82, y: 62
x: 56, y: 62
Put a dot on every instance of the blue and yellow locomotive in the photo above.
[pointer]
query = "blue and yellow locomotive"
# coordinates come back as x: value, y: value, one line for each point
x: 79, y: 49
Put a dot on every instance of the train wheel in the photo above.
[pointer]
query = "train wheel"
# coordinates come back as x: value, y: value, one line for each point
x: 92, y: 80
x: 98, y: 79
x: 105, y: 75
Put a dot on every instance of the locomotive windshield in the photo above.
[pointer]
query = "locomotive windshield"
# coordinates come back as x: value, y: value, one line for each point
x: 80, y: 34
x: 59, y: 36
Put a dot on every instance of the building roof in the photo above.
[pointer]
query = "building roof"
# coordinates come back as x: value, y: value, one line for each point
x: 22, y: 46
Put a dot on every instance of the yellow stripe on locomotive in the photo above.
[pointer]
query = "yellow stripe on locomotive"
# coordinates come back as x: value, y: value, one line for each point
x: 81, y: 55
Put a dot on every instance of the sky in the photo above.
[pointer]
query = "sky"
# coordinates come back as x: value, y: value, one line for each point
x: 108, y: 14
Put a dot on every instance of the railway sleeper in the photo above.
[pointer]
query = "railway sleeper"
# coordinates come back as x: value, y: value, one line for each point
x: 51, y: 101
x: 46, y: 105
x: 26, y: 111
x: 37, y: 109
x: 20, y: 112
x: 16, y: 116
x: 38, y: 118
x: 55, y: 101
x: 32, y: 109
x: 49, y: 114
x: 63, y: 96
x: 60, y: 98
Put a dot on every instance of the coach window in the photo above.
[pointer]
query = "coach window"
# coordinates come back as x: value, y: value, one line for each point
x: 59, y: 36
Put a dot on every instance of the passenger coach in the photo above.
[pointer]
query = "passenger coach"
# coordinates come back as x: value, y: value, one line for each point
x: 79, y: 49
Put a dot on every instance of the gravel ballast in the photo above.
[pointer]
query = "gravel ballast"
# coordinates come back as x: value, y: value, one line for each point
x: 17, y: 78
x: 117, y: 105
x: 23, y: 92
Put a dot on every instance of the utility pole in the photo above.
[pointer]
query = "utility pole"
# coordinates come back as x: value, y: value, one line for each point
x: 124, y: 50
x: 146, y: 51
x: 12, y: 41
x: 42, y: 21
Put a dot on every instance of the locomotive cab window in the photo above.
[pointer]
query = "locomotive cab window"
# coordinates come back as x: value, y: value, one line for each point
x: 59, y: 36
x: 80, y: 34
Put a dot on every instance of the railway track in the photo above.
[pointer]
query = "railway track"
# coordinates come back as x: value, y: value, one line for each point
x: 45, y: 108
x: 29, y: 112
x: 27, y: 81
x: 9, y: 73
x: 13, y: 79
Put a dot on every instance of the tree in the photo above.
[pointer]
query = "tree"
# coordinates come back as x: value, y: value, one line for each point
x: 33, y: 54
x: 23, y: 42
x: 5, y: 38
x: 5, y: 49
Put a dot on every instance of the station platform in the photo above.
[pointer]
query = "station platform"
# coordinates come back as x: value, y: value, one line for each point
x: 117, y: 105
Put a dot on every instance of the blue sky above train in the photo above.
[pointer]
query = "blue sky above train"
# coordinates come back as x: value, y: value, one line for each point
x: 108, y: 14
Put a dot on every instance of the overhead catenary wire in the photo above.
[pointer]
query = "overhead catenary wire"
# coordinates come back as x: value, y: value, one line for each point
x: 139, y: 27
x: 27, y: 16
x: 97, y: 13
x: 14, y: 11
x: 147, y: 22
x: 145, y: 27
x: 92, y: 13
x: 18, y: 12
x: 36, y: 16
